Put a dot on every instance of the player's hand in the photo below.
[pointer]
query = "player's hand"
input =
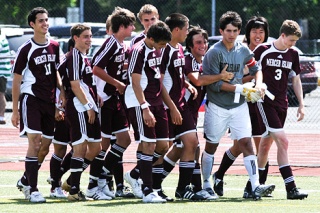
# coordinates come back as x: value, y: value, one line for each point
x: 59, y: 115
x: 176, y: 117
x: 226, y: 76
x: 15, y: 119
x: 300, y: 113
x: 121, y: 87
x: 91, y: 115
x: 62, y: 99
x: 193, y: 91
x: 148, y: 117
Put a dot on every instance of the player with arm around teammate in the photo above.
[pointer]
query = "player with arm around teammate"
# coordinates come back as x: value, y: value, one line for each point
x: 226, y: 105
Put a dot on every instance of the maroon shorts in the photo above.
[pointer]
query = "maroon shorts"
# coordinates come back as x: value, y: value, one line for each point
x: 149, y: 134
x: 113, y: 117
x: 81, y: 130
x: 272, y: 117
x: 36, y: 116
x: 257, y: 128
x: 61, y: 133
x: 188, y: 124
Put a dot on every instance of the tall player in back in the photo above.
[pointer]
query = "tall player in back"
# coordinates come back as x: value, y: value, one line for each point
x: 279, y: 61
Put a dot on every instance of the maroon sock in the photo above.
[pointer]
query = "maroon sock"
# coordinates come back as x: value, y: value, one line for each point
x: 76, y: 168
x: 55, y: 163
x: 146, y: 173
x: 227, y: 160
x: 287, y: 175
x: 95, y: 170
x: 185, y: 174
x: 196, y: 178
x: 32, y: 169
x: 157, y: 171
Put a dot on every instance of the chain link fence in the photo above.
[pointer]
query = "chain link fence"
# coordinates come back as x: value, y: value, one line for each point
x: 205, y: 13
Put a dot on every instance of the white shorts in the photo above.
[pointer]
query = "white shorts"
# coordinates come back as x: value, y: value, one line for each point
x: 217, y: 120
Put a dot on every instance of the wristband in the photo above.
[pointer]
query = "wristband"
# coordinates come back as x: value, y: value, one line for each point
x: 88, y: 106
x: 144, y: 105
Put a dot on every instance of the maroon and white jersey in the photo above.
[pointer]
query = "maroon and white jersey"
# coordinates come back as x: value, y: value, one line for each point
x: 38, y: 65
x: 173, y: 62
x: 78, y: 68
x: 110, y: 57
x: 276, y: 66
x: 146, y: 62
x: 193, y: 66
x: 137, y: 38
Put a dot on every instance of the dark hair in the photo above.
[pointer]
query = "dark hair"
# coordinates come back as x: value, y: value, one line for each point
x: 230, y: 17
x: 34, y: 12
x: 70, y: 44
x: 121, y: 16
x: 194, y: 30
x: 77, y: 29
x: 176, y: 20
x: 159, y: 31
x: 257, y: 22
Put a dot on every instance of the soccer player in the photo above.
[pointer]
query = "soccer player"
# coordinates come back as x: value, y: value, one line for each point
x: 279, y: 61
x: 147, y: 113
x: 36, y: 78
x: 225, y: 106
x: 197, y: 45
x: 147, y: 15
x: 257, y: 31
x: 108, y: 65
x: 181, y: 124
x: 82, y: 112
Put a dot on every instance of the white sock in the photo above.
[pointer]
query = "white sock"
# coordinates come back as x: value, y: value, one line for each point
x: 207, y: 161
x: 250, y: 162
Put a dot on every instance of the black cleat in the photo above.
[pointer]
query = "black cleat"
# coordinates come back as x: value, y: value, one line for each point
x: 164, y: 196
x: 294, y: 194
x: 124, y: 192
x: 247, y: 193
x: 218, y: 187
x: 188, y: 194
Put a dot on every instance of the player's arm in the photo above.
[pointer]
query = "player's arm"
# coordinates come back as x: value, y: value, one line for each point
x: 101, y: 73
x: 62, y: 95
x: 297, y: 88
x: 16, y: 83
x: 148, y: 116
x: 79, y: 93
x: 176, y: 117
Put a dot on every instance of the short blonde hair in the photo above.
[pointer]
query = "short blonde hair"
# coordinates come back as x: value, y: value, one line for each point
x: 147, y: 9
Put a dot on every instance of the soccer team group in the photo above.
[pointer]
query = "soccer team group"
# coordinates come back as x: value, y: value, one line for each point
x: 156, y: 87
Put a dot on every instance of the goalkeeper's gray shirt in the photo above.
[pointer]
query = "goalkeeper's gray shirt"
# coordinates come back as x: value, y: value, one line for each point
x: 213, y: 63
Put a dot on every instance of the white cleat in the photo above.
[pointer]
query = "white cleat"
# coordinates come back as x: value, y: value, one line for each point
x: 24, y: 189
x: 135, y: 185
x: 103, y: 186
x: 206, y: 195
x: 58, y: 193
x: 36, y: 197
x: 153, y: 198
x: 96, y: 194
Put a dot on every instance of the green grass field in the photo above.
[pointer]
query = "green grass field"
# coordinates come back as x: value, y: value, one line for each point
x: 12, y: 200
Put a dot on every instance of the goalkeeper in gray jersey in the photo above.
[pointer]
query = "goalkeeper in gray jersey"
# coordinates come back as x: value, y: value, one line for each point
x: 226, y: 105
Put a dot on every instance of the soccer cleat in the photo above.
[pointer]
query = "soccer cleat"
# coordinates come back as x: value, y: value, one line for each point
x: 153, y: 197
x: 164, y: 196
x: 65, y: 186
x: 262, y: 190
x: 294, y: 194
x: 247, y: 193
x: 96, y: 194
x: 135, y: 185
x: 77, y: 197
x: 24, y: 189
x: 124, y: 192
x: 36, y: 197
x: 58, y: 193
x: 187, y: 193
x: 49, y: 180
x: 207, y: 195
x: 217, y: 185
x: 103, y: 186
